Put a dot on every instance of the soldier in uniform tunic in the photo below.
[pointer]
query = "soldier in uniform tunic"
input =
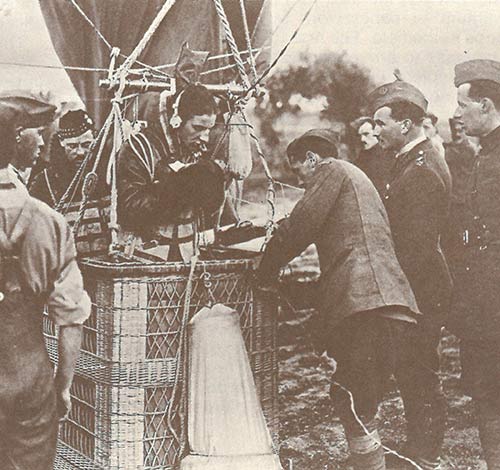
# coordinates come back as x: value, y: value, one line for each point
x: 365, y: 300
x: 475, y: 314
x: 37, y: 266
x: 417, y: 202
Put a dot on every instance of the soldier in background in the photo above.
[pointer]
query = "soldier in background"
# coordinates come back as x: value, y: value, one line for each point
x: 372, y: 159
x: 68, y: 149
x: 475, y: 315
x: 417, y: 202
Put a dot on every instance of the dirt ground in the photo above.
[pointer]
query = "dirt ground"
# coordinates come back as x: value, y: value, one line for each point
x: 311, y: 436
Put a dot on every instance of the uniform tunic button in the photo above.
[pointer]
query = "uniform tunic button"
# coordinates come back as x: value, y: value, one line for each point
x: 467, y: 268
x: 476, y: 217
x: 2, y: 296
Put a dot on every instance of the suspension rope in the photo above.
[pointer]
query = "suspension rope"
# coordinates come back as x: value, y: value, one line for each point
x: 91, y: 23
x: 248, y: 40
x: 56, y: 67
x: 283, y: 50
x: 232, y: 42
x: 220, y: 69
x: 101, y: 36
x: 91, y: 178
x: 271, y: 192
x: 147, y: 36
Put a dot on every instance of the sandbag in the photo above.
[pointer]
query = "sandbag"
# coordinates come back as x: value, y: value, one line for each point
x: 239, y: 160
x: 226, y: 426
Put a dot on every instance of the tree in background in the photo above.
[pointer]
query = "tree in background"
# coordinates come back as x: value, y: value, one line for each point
x: 332, y: 78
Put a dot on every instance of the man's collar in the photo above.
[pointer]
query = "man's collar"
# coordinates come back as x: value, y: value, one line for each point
x: 9, y: 179
x: 411, y: 145
x: 490, y: 141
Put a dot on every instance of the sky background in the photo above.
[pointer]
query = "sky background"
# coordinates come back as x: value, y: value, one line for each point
x: 424, y: 39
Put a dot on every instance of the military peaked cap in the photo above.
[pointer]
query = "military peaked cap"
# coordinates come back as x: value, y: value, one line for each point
x: 25, y: 112
x: 478, y: 69
x: 395, y: 92
x: 300, y: 143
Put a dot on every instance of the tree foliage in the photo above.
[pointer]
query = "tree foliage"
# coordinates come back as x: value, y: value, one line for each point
x: 342, y: 83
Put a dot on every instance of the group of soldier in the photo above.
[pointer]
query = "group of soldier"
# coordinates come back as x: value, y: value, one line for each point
x: 386, y: 289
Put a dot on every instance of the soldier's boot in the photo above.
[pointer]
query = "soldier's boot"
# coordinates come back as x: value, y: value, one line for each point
x: 489, y: 433
x: 366, y: 452
x: 425, y: 435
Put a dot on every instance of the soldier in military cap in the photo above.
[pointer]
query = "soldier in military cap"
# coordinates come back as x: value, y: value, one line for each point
x: 476, y: 308
x: 68, y: 149
x: 417, y: 200
x: 365, y: 300
x: 37, y: 267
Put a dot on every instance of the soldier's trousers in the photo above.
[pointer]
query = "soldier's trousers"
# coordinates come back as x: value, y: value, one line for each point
x: 28, y: 404
x: 420, y: 387
x: 481, y: 377
x: 368, y: 348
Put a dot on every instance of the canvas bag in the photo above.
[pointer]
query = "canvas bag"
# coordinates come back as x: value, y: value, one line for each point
x: 226, y: 425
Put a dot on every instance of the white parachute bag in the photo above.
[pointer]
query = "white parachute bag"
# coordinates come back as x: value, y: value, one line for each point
x: 226, y: 425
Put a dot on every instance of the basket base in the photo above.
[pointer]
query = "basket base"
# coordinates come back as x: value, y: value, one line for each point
x: 231, y: 462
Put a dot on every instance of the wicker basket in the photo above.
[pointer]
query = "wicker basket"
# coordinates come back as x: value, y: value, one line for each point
x: 128, y: 412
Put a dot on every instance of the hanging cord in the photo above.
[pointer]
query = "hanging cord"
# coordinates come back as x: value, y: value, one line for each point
x: 182, y: 363
x: 232, y: 43
x: 90, y: 180
x: 271, y: 192
x: 118, y: 139
x: 248, y: 41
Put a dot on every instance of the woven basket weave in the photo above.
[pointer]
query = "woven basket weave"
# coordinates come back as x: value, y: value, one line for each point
x: 128, y: 412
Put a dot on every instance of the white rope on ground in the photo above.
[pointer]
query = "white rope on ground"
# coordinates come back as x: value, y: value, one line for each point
x: 232, y: 42
x: 248, y: 40
x: 368, y: 433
